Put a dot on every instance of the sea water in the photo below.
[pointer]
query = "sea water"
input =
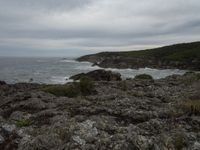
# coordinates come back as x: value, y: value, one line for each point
x: 58, y: 70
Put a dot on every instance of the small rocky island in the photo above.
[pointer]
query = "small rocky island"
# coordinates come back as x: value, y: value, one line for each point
x: 101, y: 114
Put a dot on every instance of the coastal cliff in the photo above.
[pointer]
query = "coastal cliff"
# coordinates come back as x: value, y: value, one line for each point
x: 180, y: 56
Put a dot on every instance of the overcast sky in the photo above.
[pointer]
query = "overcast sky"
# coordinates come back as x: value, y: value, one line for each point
x: 77, y: 27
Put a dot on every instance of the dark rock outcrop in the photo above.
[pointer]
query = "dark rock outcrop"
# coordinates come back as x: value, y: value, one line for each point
x: 2, y: 82
x: 99, y: 75
x: 179, y: 56
x: 136, y: 63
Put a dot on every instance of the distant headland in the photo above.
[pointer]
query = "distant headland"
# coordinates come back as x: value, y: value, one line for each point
x: 179, y: 56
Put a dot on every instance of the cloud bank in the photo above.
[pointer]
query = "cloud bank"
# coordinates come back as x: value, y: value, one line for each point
x: 77, y: 27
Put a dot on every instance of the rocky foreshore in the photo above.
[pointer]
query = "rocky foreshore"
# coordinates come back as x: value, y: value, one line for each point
x: 134, y: 114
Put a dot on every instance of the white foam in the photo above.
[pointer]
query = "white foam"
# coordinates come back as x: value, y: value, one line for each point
x: 68, y: 61
x: 155, y: 73
x: 85, y: 62
x: 88, y: 67
x: 59, y: 79
x: 41, y: 60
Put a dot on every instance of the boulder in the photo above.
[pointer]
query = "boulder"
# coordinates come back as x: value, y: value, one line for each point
x: 196, y: 146
x: 1, y: 139
x: 2, y: 82
x: 84, y: 133
x: 99, y: 75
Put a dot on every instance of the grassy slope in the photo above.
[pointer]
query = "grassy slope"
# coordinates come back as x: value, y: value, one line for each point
x: 179, y: 52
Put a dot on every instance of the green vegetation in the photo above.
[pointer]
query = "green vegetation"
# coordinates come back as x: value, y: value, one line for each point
x: 84, y: 87
x: 190, y: 77
x: 62, y: 90
x: 191, y: 107
x: 193, y: 75
x: 179, y: 141
x: 22, y: 123
x: 178, y: 52
x: 143, y: 77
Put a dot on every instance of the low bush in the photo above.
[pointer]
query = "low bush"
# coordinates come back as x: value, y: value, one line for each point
x: 22, y: 123
x: 190, y: 77
x: 63, y: 90
x: 179, y: 141
x: 144, y: 77
x: 189, y: 73
x: 191, y: 107
x: 86, y: 86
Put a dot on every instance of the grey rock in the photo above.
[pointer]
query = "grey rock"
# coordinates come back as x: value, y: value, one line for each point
x: 144, y: 115
x: 99, y: 75
x: 2, y: 82
x: 41, y: 142
x: 196, y: 146
x: 79, y: 140
x: 85, y: 131
x: 18, y: 115
x: 9, y: 128
x: 1, y: 139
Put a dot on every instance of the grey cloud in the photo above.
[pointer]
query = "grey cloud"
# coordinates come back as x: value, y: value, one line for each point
x: 43, y: 4
x: 47, y: 25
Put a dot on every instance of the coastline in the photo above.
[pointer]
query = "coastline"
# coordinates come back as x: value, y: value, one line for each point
x: 57, y: 70
x: 184, y: 56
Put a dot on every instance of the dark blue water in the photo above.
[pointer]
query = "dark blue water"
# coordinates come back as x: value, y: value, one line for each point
x: 58, y: 70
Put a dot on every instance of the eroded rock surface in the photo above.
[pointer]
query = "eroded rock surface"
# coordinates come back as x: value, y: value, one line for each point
x: 128, y: 115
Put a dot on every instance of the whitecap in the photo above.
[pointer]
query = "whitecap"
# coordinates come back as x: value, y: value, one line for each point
x: 59, y: 79
x: 68, y: 61
x: 88, y: 67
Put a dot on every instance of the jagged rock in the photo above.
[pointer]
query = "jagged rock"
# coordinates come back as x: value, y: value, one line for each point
x: 18, y: 115
x: 2, y: 82
x: 50, y: 141
x: 85, y: 132
x: 79, y: 140
x: 8, y: 128
x: 1, y: 139
x: 99, y: 75
x: 33, y: 104
x: 196, y: 146
x: 8, y: 137
x: 1, y: 118
x: 146, y: 115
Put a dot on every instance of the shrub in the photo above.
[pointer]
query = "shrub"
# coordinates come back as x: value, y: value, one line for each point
x: 191, y: 107
x: 22, y: 123
x: 86, y: 86
x: 189, y: 73
x: 144, y: 77
x: 179, y: 141
x: 63, y: 90
x: 190, y: 77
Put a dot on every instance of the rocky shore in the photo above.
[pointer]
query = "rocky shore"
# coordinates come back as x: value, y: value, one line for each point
x: 136, y: 63
x: 134, y: 114
x: 179, y: 56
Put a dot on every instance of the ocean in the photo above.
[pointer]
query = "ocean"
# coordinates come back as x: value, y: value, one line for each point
x: 58, y: 70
